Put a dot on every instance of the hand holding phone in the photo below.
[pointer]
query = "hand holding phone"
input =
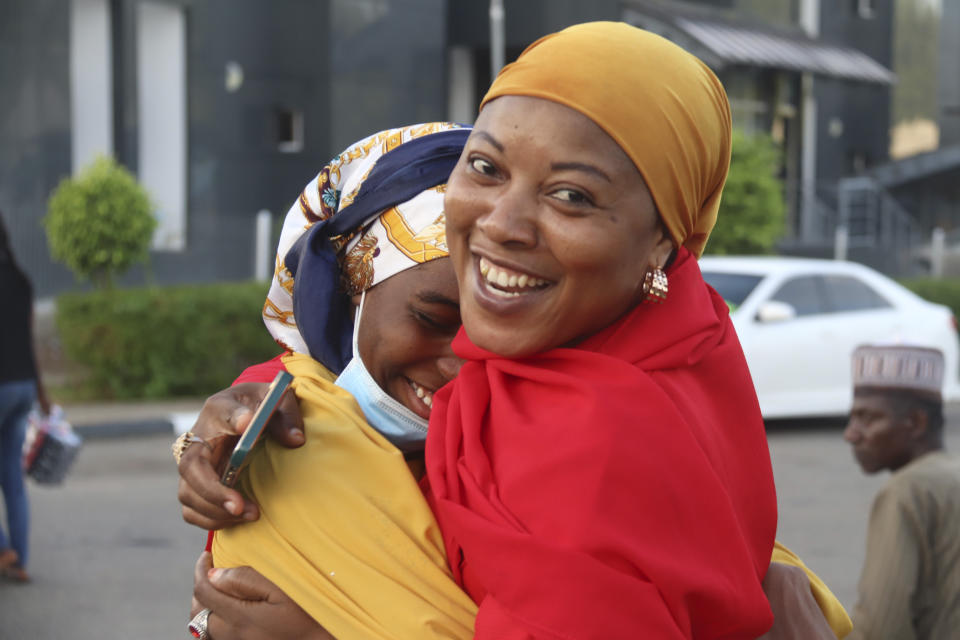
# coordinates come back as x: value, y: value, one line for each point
x: 256, y: 428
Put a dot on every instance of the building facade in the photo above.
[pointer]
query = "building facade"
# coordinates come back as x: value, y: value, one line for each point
x: 221, y: 108
x: 224, y: 108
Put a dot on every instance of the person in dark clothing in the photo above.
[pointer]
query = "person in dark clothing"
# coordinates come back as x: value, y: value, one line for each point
x: 20, y: 387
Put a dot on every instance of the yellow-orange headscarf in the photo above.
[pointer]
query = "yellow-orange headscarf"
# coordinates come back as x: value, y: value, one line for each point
x: 662, y: 105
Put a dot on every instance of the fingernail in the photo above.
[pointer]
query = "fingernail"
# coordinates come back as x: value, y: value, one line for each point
x: 214, y: 574
x: 249, y: 515
x: 232, y: 507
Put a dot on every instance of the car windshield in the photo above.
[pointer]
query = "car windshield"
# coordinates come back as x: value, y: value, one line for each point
x: 732, y: 287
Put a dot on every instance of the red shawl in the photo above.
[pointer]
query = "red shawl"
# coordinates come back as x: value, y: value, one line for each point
x: 619, y: 489
x: 263, y: 372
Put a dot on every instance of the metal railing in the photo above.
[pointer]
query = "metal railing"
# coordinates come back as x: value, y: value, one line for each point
x: 873, y: 217
x: 858, y: 219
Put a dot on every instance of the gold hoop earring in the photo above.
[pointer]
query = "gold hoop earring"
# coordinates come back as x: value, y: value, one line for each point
x: 655, y: 286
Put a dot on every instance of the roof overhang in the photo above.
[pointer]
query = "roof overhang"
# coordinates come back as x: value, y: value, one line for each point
x: 722, y: 42
x: 918, y: 167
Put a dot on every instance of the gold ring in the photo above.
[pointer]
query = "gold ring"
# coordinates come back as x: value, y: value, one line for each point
x: 183, y: 442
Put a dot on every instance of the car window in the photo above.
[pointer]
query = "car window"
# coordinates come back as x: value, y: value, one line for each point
x: 847, y: 293
x: 732, y: 287
x: 803, y: 293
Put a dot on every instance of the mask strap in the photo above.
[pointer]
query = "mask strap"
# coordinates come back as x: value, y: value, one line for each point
x: 356, y: 325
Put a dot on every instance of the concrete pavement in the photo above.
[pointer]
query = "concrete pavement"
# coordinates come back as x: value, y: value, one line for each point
x: 110, y: 555
x: 106, y: 419
x: 823, y: 497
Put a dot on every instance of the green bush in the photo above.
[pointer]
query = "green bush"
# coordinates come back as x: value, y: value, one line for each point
x: 159, y: 342
x: 100, y: 223
x: 945, y: 291
x: 752, y: 209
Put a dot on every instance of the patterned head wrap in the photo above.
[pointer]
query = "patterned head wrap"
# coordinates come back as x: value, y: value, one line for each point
x: 899, y: 366
x: 662, y: 105
x: 373, y: 211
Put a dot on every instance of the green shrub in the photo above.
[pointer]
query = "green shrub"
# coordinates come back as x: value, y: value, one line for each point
x: 100, y: 223
x: 945, y: 291
x: 752, y: 209
x: 158, y: 342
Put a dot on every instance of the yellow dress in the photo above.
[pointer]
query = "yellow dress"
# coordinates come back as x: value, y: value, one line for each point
x: 832, y: 610
x: 344, y: 529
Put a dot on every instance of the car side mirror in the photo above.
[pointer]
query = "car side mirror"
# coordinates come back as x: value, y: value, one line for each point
x: 775, y: 311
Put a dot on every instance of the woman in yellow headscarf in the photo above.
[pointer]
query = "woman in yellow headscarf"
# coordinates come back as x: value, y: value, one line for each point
x: 599, y: 466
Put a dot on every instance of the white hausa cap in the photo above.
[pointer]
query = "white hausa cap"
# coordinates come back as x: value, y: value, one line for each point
x: 899, y: 366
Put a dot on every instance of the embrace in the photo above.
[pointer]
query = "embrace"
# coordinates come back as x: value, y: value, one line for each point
x: 595, y: 464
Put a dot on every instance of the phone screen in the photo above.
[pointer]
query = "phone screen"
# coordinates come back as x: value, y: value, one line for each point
x: 257, y: 425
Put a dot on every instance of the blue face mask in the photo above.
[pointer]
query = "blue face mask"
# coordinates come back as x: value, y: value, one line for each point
x: 398, y: 424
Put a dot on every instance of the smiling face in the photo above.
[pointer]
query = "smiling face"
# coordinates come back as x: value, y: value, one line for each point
x: 550, y: 226
x: 406, y: 327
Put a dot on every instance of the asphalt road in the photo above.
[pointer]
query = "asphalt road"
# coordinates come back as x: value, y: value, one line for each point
x: 111, y: 557
x: 824, y: 499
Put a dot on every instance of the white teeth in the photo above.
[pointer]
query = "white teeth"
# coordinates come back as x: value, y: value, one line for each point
x: 423, y: 394
x: 500, y: 278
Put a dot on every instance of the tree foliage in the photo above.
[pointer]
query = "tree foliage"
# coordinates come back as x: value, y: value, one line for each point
x: 100, y: 223
x: 752, y: 209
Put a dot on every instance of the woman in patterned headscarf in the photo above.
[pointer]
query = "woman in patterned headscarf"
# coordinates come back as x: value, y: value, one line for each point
x: 344, y: 529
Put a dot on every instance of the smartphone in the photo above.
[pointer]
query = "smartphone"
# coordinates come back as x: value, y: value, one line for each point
x: 256, y: 428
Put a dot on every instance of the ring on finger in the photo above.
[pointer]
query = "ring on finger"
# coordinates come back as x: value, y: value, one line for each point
x: 183, y: 442
x: 198, y: 625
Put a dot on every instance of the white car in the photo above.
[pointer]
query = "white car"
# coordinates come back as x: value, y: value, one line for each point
x: 800, y: 319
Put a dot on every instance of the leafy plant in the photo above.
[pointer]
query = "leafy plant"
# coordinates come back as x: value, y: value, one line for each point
x: 945, y: 291
x: 752, y: 209
x: 100, y: 223
x: 164, y: 341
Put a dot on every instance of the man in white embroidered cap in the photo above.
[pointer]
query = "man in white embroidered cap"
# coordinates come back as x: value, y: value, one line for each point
x: 910, y: 583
